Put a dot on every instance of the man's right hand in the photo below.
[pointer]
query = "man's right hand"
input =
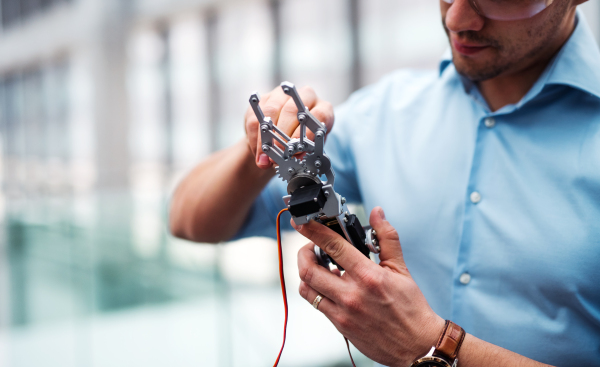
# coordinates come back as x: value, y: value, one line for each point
x: 282, y: 110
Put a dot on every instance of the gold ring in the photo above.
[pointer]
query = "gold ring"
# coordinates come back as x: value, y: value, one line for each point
x: 317, y: 301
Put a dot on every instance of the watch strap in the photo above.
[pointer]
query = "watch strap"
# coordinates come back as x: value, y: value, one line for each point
x: 450, y: 341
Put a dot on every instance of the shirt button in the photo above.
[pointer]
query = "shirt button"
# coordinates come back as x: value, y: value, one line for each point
x: 475, y: 197
x: 465, y: 278
x: 490, y: 122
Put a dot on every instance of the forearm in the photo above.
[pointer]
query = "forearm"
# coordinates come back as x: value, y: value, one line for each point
x: 476, y: 353
x: 212, y: 202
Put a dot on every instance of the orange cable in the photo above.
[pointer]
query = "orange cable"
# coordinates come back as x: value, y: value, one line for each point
x: 284, y: 292
x: 282, y: 280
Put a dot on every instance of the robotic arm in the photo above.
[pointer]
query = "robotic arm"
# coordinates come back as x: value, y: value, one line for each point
x: 309, y: 197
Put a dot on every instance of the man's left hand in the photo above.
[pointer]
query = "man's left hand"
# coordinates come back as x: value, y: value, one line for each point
x: 379, y: 308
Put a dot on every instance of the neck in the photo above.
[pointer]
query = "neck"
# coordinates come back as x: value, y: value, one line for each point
x: 511, y: 87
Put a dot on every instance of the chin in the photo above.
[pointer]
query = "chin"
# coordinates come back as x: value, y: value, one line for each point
x: 477, y: 73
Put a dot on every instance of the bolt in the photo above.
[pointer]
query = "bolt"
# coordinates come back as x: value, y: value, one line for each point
x: 301, y: 147
x: 378, y: 248
x: 319, y: 134
x: 301, y: 117
x: 326, y: 194
x: 374, y: 241
x: 343, y: 200
x: 254, y: 100
x: 290, y: 170
x: 318, y: 164
x: 373, y: 232
x: 264, y: 128
x: 265, y: 148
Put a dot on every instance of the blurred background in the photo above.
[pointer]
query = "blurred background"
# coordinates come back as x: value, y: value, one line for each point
x: 104, y: 106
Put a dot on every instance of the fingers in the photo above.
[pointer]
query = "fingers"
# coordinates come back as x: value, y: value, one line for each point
x: 391, y: 251
x: 336, y: 247
x: 288, y: 118
x: 283, y: 111
x: 327, y: 306
x: 317, y: 277
x: 323, y: 111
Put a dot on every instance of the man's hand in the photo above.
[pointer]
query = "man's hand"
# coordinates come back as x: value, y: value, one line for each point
x: 282, y: 110
x: 379, y: 308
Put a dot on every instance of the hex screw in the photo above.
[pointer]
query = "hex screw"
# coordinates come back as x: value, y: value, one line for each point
x: 318, y: 164
x: 265, y: 148
x: 343, y: 200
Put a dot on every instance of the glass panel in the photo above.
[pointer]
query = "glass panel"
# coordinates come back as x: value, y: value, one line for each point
x: 244, y: 55
x: 400, y: 33
x: 317, y: 46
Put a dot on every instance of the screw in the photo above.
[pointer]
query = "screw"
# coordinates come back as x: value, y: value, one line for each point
x: 315, y: 200
x: 264, y: 128
x: 301, y: 147
x: 319, y: 134
x: 286, y: 90
x: 254, y: 100
x: 290, y: 170
x: 326, y: 194
x: 301, y: 118
x: 265, y: 148
x: 373, y: 232
x: 318, y: 164
x: 346, y: 220
x: 378, y: 249
x: 343, y: 200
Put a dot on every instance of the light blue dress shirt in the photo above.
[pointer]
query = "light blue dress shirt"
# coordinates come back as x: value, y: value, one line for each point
x: 498, y: 212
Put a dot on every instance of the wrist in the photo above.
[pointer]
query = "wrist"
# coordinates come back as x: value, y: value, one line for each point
x: 445, y: 349
x: 431, y: 334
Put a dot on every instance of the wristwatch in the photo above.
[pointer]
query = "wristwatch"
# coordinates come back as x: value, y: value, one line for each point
x: 446, y: 350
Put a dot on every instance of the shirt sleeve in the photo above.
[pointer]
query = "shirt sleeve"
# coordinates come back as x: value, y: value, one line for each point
x: 261, y: 220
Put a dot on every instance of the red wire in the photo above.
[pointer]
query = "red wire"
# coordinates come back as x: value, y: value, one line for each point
x: 283, y: 291
x: 282, y: 280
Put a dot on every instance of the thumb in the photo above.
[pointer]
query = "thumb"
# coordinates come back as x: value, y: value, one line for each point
x: 389, y: 242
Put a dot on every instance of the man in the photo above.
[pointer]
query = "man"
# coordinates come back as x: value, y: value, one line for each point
x: 489, y: 169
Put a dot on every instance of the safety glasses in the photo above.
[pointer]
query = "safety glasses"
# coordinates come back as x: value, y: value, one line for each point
x: 507, y: 9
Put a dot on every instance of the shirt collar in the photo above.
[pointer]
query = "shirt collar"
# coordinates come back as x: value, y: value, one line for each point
x: 576, y: 65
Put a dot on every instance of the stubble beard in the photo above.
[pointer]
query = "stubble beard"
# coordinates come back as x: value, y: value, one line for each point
x: 508, y: 57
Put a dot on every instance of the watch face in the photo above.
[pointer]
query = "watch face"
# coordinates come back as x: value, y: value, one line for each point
x: 431, y: 362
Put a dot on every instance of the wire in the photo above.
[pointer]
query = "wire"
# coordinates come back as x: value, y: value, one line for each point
x: 282, y: 280
x: 284, y: 292
x: 349, y: 352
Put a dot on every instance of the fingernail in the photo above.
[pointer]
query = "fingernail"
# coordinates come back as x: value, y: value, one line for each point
x: 263, y: 159
x: 381, y: 214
